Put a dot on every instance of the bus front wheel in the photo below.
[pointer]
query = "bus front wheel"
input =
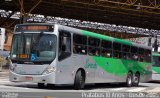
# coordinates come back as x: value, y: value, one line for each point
x: 129, y: 79
x: 79, y: 81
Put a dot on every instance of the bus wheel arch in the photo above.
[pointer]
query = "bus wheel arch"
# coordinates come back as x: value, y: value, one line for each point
x: 129, y: 79
x: 79, y: 80
x: 136, y: 78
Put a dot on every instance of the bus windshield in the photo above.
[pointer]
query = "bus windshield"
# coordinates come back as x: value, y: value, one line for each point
x: 33, y: 47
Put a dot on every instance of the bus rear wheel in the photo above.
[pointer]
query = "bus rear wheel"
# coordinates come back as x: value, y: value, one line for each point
x: 136, y: 79
x: 79, y: 81
x: 40, y: 85
x: 129, y: 79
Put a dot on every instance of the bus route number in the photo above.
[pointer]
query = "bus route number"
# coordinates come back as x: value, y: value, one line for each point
x: 23, y: 56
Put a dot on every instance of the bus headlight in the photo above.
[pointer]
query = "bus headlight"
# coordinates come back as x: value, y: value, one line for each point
x: 49, y: 70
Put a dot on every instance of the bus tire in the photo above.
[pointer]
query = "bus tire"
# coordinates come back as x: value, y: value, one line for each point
x: 136, y: 79
x: 129, y: 79
x: 79, y: 81
x: 50, y: 85
x: 40, y: 85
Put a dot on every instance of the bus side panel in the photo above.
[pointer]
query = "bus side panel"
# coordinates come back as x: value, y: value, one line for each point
x: 86, y: 62
x: 105, y: 77
x: 116, y: 70
x: 65, y: 71
x: 110, y: 70
x: 145, y: 71
x: 155, y: 73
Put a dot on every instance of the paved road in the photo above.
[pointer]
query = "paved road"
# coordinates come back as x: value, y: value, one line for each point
x: 30, y: 90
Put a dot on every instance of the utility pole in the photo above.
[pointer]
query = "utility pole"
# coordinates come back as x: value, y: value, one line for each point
x: 156, y: 45
x: 149, y: 40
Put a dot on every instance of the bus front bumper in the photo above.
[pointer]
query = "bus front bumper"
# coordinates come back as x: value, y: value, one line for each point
x: 48, y: 78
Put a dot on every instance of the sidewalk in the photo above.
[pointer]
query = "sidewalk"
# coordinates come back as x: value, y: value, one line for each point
x: 4, y: 73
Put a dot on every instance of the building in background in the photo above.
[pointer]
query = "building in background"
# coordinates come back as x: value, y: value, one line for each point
x: 2, y: 38
x: 5, y: 39
x: 8, y: 40
x: 154, y: 42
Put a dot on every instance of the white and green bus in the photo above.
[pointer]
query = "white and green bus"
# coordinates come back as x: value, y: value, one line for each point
x: 57, y: 54
x: 156, y: 67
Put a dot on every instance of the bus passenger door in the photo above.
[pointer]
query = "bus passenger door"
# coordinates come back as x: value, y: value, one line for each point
x: 65, y: 62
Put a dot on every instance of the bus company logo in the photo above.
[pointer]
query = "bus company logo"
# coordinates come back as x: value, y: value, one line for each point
x: 9, y: 95
x: 90, y: 65
x: 107, y: 64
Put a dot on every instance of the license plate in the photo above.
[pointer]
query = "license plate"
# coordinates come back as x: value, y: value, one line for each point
x: 23, y: 56
x: 29, y: 78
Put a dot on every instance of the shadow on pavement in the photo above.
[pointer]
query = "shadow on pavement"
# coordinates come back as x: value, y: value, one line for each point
x: 157, y: 82
x: 87, y: 87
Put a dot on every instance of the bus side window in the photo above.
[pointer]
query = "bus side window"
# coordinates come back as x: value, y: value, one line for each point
x: 141, y: 53
x: 93, y: 46
x: 79, y: 44
x: 106, y: 48
x: 147, y: 55
x: 117, y: 50
x: 134, y: 53
x: 64, y: 45
x: 159, y: 59
x: 126, y: 52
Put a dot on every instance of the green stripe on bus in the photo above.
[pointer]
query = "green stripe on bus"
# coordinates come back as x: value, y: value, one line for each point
x: 156, y: 69
x: 96, y: 35
x: 104, y: 37
x: 121, y: 67
x: 122, y: 41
